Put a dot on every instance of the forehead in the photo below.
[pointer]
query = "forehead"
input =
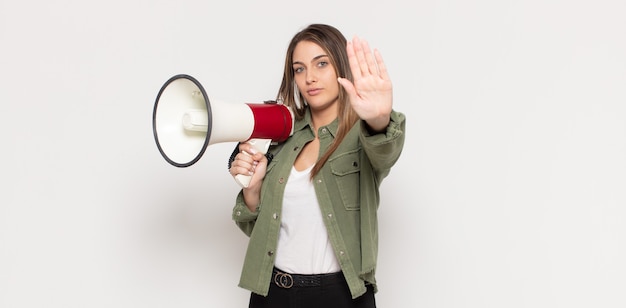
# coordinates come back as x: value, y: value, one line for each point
x: 306, y: 51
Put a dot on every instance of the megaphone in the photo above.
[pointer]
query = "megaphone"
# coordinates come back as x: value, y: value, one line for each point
x: 185, y: 123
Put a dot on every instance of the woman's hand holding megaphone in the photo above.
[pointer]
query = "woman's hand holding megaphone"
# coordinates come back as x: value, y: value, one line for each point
x: 248, y: 168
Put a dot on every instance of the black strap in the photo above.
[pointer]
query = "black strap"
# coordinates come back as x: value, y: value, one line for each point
x: 233, y: 155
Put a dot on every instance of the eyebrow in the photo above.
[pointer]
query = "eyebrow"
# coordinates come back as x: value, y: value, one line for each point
x: 314, y: 59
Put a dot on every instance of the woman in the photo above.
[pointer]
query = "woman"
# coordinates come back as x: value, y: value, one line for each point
x: 310, y: 212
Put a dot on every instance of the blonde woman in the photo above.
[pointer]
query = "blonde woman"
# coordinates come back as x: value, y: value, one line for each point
x: 311, y: 212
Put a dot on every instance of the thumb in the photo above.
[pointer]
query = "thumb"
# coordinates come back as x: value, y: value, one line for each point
x: 347, y: 85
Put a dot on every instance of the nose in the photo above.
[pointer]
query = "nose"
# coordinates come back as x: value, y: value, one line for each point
x: 310, y: 77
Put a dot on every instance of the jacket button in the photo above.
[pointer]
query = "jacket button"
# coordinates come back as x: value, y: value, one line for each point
x: 275, y: 216
x: 270, y: 253
x: 238, y: 213
x: 281, y: 180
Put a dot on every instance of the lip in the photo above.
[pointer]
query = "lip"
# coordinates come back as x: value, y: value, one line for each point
x: 314, y: 91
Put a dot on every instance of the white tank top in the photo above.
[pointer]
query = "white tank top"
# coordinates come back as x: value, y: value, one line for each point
x: 303, y: 244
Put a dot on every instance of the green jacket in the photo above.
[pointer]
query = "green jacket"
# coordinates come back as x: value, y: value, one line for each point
x: 347, y: 189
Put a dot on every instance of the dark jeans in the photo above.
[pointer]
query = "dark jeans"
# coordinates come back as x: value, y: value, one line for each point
x: 328, y: 295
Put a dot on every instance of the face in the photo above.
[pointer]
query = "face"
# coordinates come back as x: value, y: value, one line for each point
x: 315, y: 76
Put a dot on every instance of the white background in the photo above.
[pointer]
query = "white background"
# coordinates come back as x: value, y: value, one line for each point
x: 510, y: 191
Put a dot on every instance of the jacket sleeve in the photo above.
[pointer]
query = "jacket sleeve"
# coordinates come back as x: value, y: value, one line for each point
x: 243, y: 217
x: 383, y: 149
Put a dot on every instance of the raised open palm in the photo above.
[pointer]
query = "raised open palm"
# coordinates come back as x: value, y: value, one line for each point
x: 371, y: 93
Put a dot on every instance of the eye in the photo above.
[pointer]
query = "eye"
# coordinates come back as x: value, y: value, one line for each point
x: 298, y: 69
x: 322, y: 63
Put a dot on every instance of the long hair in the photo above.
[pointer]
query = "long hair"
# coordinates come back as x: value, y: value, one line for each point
x: 334, y: 44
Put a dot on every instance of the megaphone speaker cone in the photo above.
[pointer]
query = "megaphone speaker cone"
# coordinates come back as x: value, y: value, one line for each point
x: 182, y: 98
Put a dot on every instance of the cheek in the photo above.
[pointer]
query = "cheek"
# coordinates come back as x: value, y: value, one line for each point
x: 333, y: 84
x: 299, y: 80
x: 329, y: 77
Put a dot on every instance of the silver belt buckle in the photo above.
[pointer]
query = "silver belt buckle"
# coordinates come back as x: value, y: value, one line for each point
x: 283, y: 280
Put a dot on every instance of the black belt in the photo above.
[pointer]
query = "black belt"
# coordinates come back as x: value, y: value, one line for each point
x: 286, y: 280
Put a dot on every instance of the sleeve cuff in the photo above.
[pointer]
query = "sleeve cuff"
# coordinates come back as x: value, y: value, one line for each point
x: 394, y: 129
x: 241, y: 212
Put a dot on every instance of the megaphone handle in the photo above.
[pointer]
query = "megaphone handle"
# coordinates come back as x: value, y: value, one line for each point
x: 260, y: 145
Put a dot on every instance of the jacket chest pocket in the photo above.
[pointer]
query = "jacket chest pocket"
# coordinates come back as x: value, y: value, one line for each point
x: 346, y: 169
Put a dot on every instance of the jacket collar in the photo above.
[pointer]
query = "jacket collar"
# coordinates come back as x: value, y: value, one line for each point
x: 307, y: 123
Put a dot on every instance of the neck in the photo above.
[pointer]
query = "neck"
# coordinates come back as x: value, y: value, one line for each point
x: 320, y: 118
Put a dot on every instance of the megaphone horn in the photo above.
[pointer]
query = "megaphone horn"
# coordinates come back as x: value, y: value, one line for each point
x: 185, y: 122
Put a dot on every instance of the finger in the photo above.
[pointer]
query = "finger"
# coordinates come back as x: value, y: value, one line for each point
x: 382, y: 69
x: 348, y: 86
x: 234, y: 171
x: 242, y: 168
x: 244, y: 157
x: 352, y: 60
x: 247, y: 149
x: 360, y: 56
x: 244, y: 160
x: 372, y: 68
